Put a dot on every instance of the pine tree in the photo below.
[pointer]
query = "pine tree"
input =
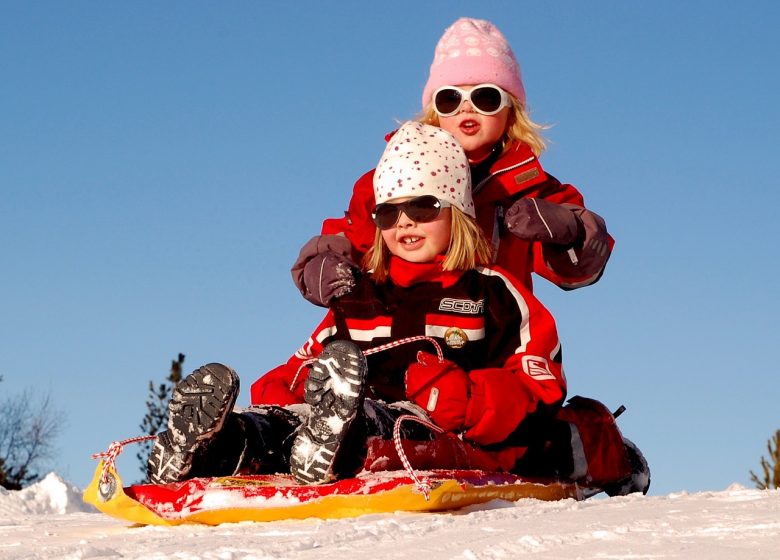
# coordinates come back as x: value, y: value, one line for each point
x: 156, y: 419
x: 770, y: 466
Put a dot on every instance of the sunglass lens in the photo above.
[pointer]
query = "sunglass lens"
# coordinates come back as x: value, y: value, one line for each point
x: 386, y: 215
x: 447, y: 101
x: 486, y: 99
x: 423, y: 208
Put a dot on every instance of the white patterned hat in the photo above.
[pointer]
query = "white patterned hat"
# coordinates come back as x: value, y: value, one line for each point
x: 424, y: 160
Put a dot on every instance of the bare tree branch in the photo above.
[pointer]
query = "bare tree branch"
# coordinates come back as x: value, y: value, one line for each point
x: 28, y: 429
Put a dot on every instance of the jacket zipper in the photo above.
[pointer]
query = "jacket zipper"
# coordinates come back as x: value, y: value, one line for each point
x: 476, y: 189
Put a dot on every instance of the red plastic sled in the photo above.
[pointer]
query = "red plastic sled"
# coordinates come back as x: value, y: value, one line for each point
x: 212, y: 501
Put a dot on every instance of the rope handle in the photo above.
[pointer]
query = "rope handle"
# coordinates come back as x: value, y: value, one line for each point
x: 113, y: 452
x: 423, y: 485
x: 375, y: 350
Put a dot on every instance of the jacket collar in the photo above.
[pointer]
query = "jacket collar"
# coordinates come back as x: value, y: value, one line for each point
x: 404, y: 273
x: 516, y: 170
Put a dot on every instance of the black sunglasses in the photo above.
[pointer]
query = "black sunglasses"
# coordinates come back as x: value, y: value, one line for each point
x: 419, y: 209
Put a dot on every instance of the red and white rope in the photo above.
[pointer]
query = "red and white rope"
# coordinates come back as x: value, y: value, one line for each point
x: 374, y: 350
x: 395, y: 343
x: 113, y: 452
x: 297, y: 373
x: 423, y: 485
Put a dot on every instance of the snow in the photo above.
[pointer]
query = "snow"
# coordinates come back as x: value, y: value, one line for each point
x: 48, y: 520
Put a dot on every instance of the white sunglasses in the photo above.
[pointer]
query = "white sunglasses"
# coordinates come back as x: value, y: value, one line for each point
x: 487, y: 99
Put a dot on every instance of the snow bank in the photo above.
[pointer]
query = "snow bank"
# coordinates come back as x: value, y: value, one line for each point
x: 717, y: 525
x: 50, y: 495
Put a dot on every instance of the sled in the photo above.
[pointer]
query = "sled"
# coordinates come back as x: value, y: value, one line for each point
x: 231, y: 499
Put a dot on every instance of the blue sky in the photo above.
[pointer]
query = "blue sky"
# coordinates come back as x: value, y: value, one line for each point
x: 161, y: 163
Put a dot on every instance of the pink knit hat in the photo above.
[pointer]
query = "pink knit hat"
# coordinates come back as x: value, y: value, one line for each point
x: 471, y: 52
x: 421, y: 159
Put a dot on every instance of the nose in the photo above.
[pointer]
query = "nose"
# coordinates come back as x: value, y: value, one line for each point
x: 404, y: 221
x: 466, y: 106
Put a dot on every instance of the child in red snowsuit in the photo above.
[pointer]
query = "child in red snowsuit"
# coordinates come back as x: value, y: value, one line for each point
x: 534, y: 222
x: 500, y: 384
x: 497, y: 388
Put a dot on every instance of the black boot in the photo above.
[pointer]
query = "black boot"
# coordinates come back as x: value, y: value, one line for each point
x: 335, y: 390
x: 198, y: 410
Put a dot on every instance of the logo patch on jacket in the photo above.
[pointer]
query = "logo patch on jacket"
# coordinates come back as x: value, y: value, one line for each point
x: 462, y: 306
x: 454, y: 329
x: 537, y: 367
x: 455, y: 337
x: 521, y: 178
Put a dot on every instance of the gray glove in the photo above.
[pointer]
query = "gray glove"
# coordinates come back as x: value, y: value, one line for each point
x: 324, y: 269
x: 590, y: 254
x: 535, y: 219
x: 328, y: 275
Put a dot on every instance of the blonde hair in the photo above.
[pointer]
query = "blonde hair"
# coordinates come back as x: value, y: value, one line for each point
x: 519, y: 127
x: 468, y: 248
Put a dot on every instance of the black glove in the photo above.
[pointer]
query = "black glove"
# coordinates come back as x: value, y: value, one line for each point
x: 325, y: 269
x: 535, y: 219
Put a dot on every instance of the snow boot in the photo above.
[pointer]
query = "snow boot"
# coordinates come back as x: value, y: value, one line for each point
x: 335, y: 389
x: 198, y: 410
x: 638, y: 480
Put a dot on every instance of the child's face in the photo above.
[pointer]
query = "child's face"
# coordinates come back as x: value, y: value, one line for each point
x: 419, y: 241
x: 477, y: 133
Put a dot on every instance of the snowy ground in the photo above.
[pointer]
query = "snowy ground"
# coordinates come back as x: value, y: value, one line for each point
x: 48, y: 520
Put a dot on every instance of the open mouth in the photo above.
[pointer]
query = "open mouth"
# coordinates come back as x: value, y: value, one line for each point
x: 411, y: 241
x: 469, y: 126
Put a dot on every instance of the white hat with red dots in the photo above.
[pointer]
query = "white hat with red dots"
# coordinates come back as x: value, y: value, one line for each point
x: 424, y: 160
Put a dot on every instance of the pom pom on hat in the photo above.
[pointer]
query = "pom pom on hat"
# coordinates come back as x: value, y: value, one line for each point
x: 471, y: 52
x: 424, y: 160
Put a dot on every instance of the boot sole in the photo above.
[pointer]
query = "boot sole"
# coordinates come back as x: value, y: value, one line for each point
x: 335, y: 389
x: 166, y: 465
x: 200, y: 404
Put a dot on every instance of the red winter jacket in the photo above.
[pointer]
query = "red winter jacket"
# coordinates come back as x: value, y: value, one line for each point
x: 517, y: 173
x: 484, y: 320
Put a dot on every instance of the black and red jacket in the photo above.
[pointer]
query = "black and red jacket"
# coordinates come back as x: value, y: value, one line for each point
x: 484, y: 320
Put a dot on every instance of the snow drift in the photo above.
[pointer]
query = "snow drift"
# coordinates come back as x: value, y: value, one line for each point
x: 48, y: 520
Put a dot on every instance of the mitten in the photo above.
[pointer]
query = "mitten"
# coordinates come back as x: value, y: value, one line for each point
x: 276, y: 392
x: 273, y: 388
x: 441, y: 388
x: 536, y: 219
x: 328, y: 275
x: 325, y: 269
x: 499, y: 401
x: 592, y: 253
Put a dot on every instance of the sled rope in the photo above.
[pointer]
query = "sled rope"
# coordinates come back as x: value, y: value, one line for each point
x: 113, y: 452
x: 294, y: 381
x: 407, y: 340
x: 374, y: 350
x: 423, y: 485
